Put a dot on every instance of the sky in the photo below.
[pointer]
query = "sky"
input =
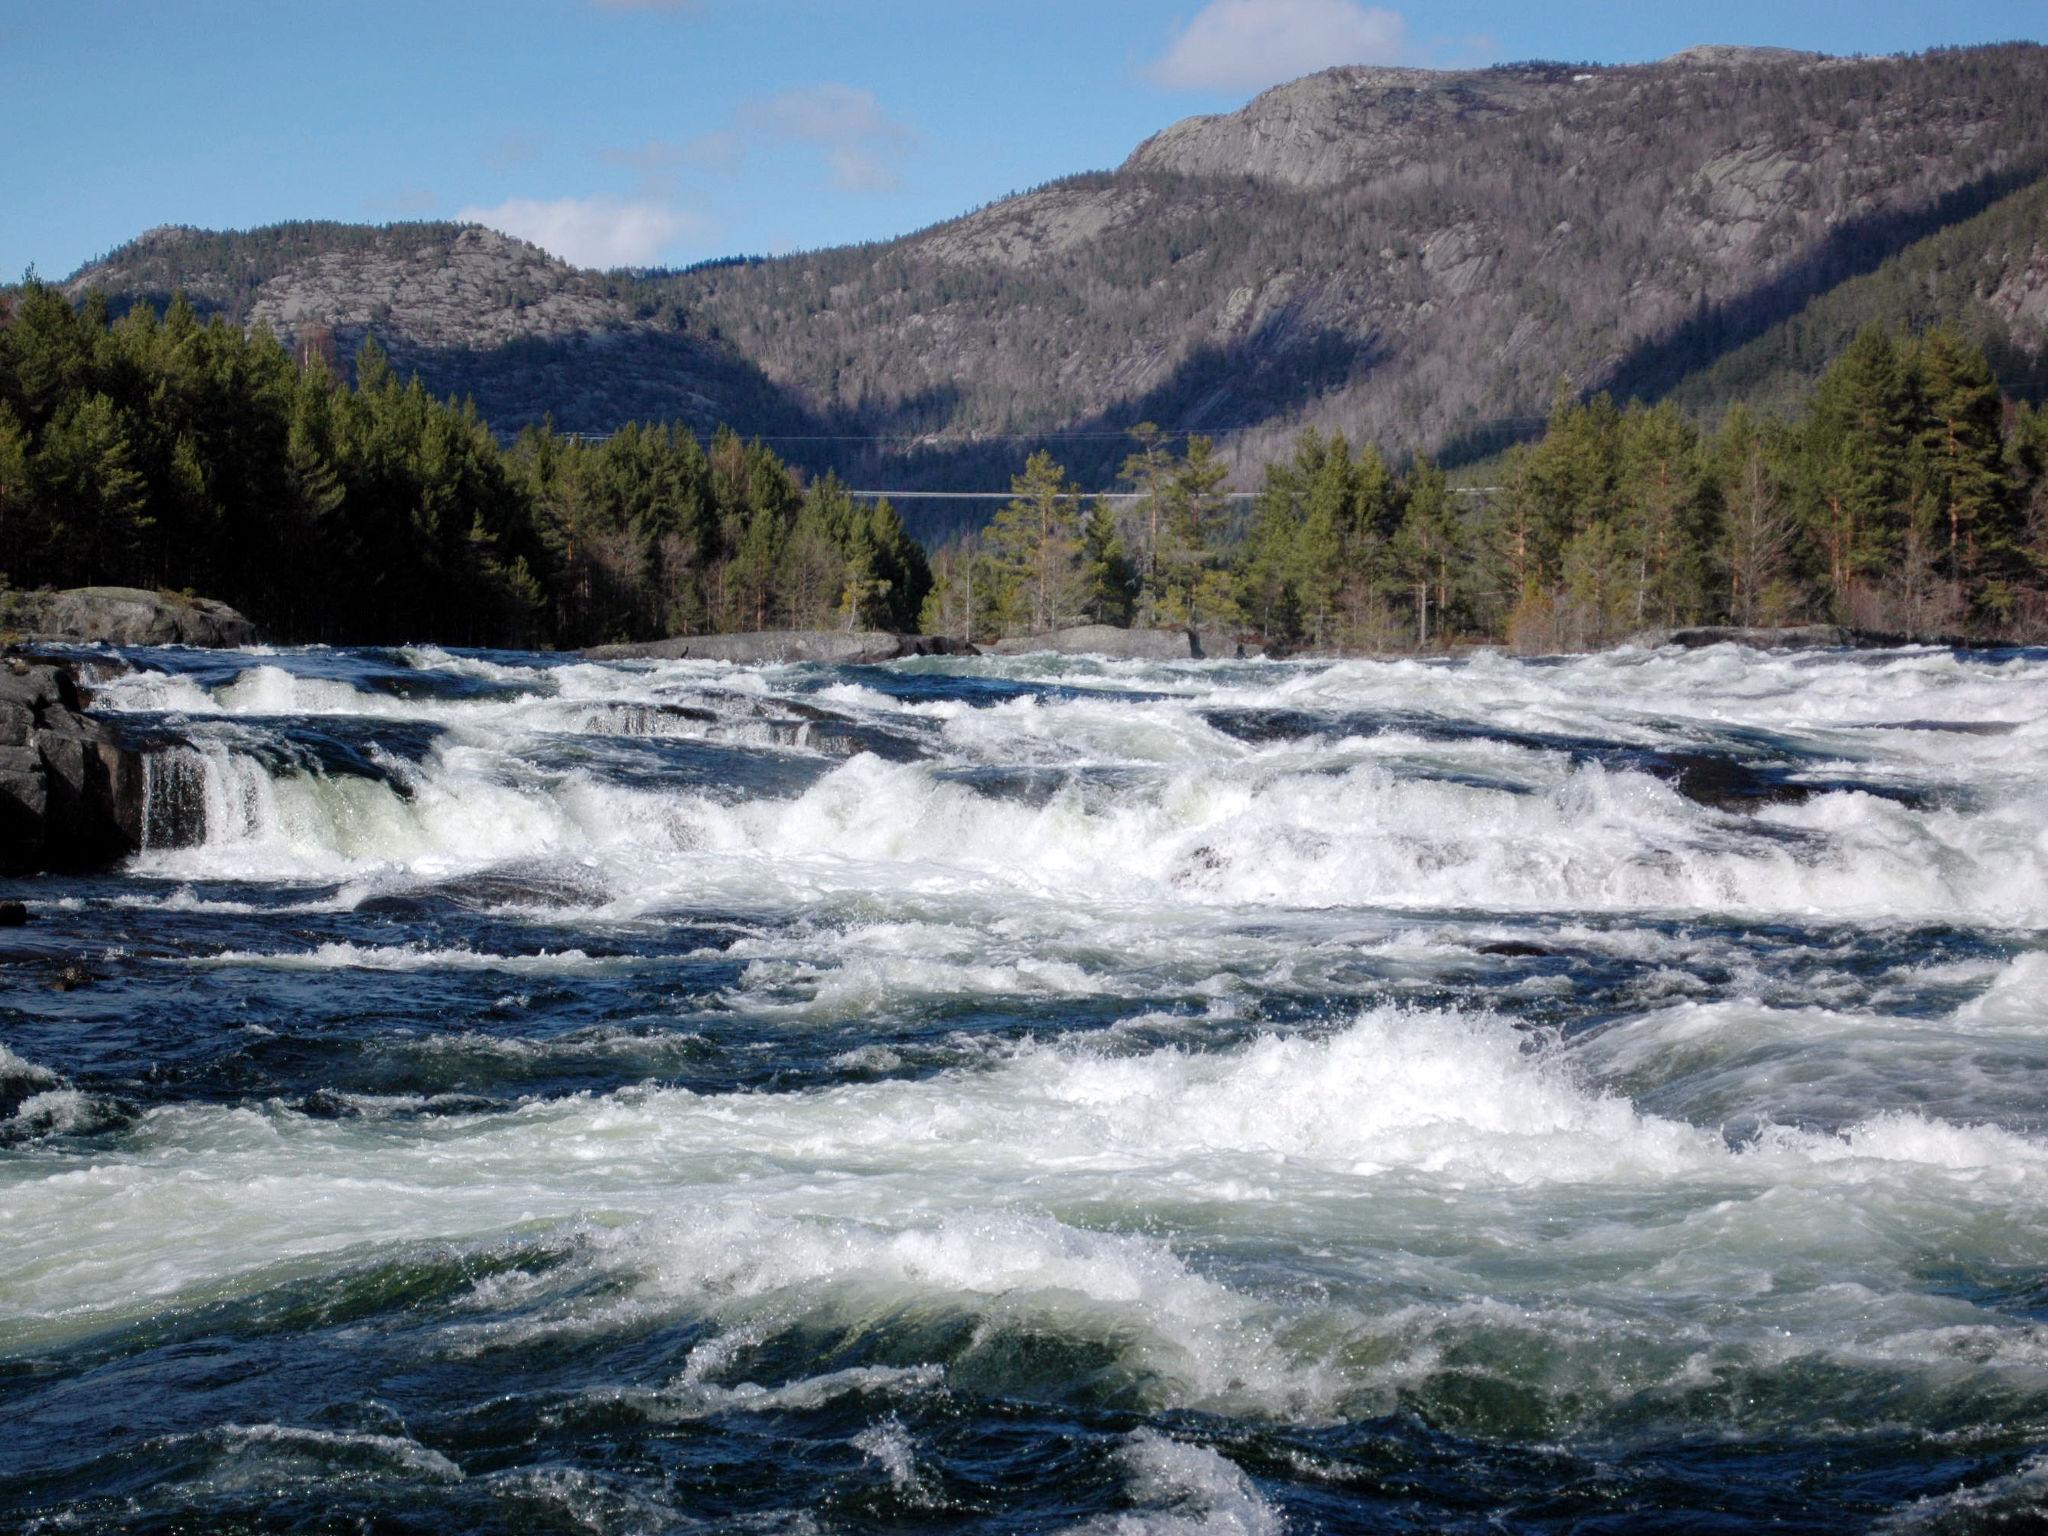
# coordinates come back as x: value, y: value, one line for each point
x: 663, y: 132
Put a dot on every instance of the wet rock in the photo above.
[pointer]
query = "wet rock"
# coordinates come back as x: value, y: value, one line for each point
x: 326, y: 1104
x: 1106, y: 640
x: 124, y: 616
x: 778, y: 647
x: 72, y: 975
x: 12, y: 914
x: 71, y: 792
x: 1516, y: 949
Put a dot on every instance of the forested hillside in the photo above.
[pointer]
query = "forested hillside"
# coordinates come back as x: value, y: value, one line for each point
x: 1906, y: 499
x: 1412, y: 258
x: 166, y: 451
x: 163, y: 451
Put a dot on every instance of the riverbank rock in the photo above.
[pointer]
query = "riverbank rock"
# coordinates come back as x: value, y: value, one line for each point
x: 772, y: 647
x: 71, y: 794
x: 124, y: 616
x: 1107, y: 640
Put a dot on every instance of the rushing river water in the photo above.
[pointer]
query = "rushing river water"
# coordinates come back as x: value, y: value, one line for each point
x: 516, y: 1093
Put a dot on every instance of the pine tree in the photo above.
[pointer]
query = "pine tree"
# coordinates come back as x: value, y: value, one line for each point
x: 1760, y: 530
x: 1034, y: 538
x: 1662, y: 517
x: 1108, y: 580
x: 1959, y: 458
x: 1854, y: 462
x: 1426, y: 551
x: 94, y: 501
x: 1146, y: 471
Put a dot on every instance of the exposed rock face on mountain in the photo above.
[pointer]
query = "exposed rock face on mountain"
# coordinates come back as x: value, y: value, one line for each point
x: 1417, y: 258
x: 471, y: 310
x: 1414, y: 257
x: 1331, y: 127
x: 437, y: 286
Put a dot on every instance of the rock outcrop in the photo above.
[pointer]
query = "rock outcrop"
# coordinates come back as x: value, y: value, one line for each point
x: 774, y: 647
x: 1121, y: 644
x: 1412, y: 257
x: 124, y: 616
x: 71, y: 794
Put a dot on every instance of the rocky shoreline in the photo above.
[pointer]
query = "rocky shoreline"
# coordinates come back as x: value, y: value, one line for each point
x: 71, y: 793
x: 123, y: 616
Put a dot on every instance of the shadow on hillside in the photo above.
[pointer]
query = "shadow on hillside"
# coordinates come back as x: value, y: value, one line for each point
x: 1215, y: 389
x: 1851, y: 250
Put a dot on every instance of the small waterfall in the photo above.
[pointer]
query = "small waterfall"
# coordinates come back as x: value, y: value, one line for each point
x: 195, y: 795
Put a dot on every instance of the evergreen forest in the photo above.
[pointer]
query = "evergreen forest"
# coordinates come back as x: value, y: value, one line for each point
x: 157, y: 450
x: 1905, y: 495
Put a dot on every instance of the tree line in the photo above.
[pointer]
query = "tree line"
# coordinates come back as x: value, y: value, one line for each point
x: 157, y: 450
x: 1906, y: 497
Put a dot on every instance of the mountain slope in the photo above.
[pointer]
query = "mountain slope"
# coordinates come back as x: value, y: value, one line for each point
x: 472, y: 310
x: 1415, y: 287
x: 1986, y: 277
x: 1409, y: 256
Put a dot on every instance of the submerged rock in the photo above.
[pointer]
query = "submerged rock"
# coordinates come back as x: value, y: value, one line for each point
x: 71, y: 793
x: 124, y: 616
x: 772, y: 647
x: 72, y: 975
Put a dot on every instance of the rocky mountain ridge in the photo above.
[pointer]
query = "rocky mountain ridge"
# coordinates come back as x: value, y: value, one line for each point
x: 1414, y: 257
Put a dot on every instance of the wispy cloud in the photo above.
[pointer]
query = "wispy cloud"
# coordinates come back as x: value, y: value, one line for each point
x: 599, y: 232
x: 406, y: 203
x: 511, y: 151
x: 1246, y: 45
x: 721, y: 150
x: 864, y: 147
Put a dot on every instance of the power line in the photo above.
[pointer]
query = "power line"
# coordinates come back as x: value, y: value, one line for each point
x: 1456, y: 490
x: 1012, y: 495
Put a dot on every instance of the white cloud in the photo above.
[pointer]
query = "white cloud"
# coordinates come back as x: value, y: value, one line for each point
x: 863, y: 145
x: 589, y: 231
x: 860, y: 170
x: 1246, y: 45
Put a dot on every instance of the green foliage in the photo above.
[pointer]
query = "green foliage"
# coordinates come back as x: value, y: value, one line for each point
x: 166, y: 452
x: 160, y: 450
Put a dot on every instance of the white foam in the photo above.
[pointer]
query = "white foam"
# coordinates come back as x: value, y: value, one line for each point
x: 335, y: 956
x: 1199, y: 817
x: 2016, y: 999
x: 15, y: 1069
x: 1186, y: 1490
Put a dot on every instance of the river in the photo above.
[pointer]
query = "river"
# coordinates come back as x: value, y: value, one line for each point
x: 511, y: 1092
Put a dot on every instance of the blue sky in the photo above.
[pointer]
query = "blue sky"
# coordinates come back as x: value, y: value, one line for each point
x: 636, y: 132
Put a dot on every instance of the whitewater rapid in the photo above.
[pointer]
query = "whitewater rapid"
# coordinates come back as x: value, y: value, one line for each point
x: 1043, y: 1093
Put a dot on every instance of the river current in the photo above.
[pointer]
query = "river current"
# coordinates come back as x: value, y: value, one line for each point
x: 508, y: 1092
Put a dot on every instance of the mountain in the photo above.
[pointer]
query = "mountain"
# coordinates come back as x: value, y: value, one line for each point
x: 471, y: 310
x: 1416, y: 257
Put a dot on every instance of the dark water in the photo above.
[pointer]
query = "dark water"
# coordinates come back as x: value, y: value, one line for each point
x: 508, y: 1094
